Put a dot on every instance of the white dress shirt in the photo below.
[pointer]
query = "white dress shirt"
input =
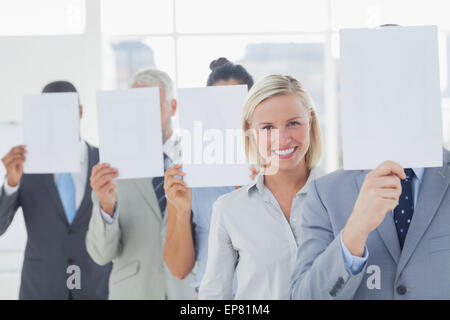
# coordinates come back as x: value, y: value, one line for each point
x: 249, y: 233
x: 168, y: 150
x: 79, y: 178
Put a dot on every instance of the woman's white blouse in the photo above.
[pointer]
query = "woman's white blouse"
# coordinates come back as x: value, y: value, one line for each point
x: 250, y: 235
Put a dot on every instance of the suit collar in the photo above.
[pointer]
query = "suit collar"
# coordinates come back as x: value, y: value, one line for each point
x: 50, y: 185
x: 145, y: 187
x: 419, y: 172
x: 432, y: 191
x: 172, y: 148
x: 92, y: 158
x: 434, y: 184
x: 49, y: 181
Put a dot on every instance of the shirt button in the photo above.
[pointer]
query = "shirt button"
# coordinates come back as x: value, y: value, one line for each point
x: 70, y: 261
x: 401, y: 290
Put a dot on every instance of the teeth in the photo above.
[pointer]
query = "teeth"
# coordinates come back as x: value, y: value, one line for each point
x: 284, y: 152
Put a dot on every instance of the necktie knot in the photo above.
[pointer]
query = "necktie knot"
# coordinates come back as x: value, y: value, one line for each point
x: 409, y: 173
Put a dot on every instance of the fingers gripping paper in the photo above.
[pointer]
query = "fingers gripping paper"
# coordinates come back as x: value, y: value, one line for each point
x: 390, y: 97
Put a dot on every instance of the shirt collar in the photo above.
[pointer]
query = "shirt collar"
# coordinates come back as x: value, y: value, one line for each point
x: 258, y: 182
x: 315, y: 172
x: 168, y: 147
x: 419, y: 173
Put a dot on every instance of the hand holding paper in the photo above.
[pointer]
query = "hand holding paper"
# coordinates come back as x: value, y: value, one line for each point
x: 379, y: 195
x: 13, y: 162
x: 102, y: 184
x: 52, y: 133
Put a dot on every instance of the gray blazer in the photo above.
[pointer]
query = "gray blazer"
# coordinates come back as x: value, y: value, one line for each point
x: 53, y: 244
x: 420, y: 271
x: 134, y: 242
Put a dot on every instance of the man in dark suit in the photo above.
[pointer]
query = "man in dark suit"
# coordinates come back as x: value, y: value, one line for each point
x: 57, y: 210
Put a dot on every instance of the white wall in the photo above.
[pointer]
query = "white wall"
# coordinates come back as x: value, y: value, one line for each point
x: 27, y: 63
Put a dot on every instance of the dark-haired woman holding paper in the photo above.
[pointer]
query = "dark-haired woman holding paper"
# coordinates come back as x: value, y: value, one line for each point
x: 189, y: 210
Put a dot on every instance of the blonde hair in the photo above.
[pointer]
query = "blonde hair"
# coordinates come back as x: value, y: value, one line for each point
x: 272, y: 86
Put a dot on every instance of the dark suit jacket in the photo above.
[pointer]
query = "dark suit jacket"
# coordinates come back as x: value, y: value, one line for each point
x: 52, y: 243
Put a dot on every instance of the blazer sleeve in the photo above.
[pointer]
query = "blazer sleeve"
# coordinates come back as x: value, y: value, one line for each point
x: 321, y: 271
x: 103, y: 240
x: 217, y: 283
x: 8, y: 208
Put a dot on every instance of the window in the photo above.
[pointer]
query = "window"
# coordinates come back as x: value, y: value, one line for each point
x: 136, y: 16
x: 43, y: 17
x: 258, y: 16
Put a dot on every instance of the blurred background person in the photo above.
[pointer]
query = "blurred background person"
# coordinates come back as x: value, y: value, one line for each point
x: 189, y: 210
x: 252, y: 229
x: 129, y: 217
x: 57, y: 209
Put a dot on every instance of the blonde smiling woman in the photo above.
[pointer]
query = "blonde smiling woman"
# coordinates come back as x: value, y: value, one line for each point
x: 252, y: 227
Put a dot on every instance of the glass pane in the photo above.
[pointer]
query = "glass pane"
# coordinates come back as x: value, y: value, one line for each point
x: 299, y: 56
x: 370, y: 13
x: 44, y: 17
x: 137, y: 16
x: 130, y: 55
x: 209, y: 16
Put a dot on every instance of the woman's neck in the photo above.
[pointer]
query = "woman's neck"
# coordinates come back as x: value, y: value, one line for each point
x: 292, y: 180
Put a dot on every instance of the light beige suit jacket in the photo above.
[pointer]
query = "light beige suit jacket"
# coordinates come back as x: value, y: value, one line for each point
x: 134, y: 242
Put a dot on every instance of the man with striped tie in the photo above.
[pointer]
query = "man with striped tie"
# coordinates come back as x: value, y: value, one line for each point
x: 129, y: 217
x: 57, y: 209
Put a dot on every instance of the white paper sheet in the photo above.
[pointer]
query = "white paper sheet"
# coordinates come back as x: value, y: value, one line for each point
x: 130, y: 137
x: 390, y: 97
x: 52, y: 133
x: 214, y: 155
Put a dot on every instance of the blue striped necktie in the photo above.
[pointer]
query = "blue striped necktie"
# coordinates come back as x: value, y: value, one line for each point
x: 158, y: 186
x: 403, y: 213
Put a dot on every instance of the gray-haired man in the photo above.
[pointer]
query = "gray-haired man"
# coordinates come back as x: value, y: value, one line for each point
x: 129, y: 217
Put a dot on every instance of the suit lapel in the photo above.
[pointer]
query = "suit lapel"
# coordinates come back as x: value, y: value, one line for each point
x: 386, y: 230
x: 92, y: 161
x: 432, y: 190
x: 50, y: 185
x: 145, y: 187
